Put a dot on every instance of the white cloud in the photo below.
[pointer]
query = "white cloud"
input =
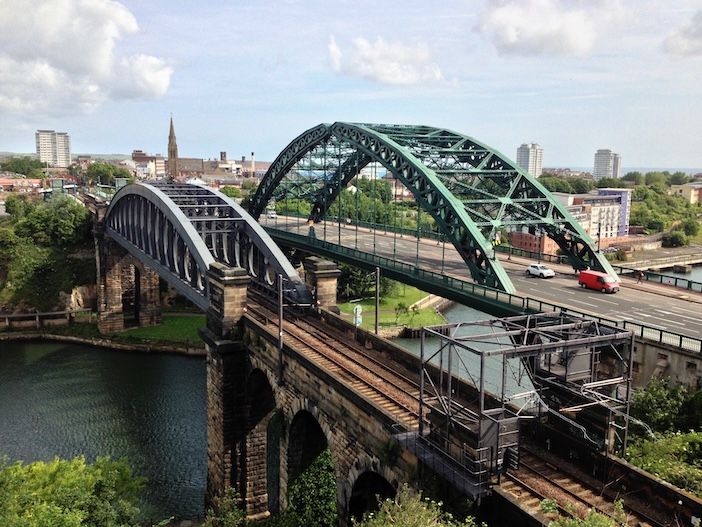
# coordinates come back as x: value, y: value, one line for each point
x: 385, y: 62
x: 59, y: 56
x: 687, y: 40
x: 545, y: 27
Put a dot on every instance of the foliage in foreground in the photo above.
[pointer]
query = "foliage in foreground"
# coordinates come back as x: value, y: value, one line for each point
x: 591, y: 518
x: 675, y: 457
x: 409, y: 509
x: 672, y: 455
x: 69, y: 493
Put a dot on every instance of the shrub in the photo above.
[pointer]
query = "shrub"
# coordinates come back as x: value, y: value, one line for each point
x: 70, y: 493
x: 674, y: 239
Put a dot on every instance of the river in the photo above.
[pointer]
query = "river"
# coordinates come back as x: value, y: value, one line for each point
x: 65, y: 400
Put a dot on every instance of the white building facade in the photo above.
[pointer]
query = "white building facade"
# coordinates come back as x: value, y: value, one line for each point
x: 607, y: 164
x: 530, y: 157
x: 53, y: 148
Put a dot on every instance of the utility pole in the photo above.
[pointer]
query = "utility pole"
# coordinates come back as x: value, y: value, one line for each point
x: 377, y: 297
x: 280, y: 328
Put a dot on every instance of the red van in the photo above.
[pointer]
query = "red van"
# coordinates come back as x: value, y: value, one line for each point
x: 599, y: 281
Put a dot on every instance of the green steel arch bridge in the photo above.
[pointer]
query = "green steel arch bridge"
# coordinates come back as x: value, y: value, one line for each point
x: 471, y: 192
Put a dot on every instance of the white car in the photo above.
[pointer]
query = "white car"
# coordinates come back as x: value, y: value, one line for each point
x: 540, y: 270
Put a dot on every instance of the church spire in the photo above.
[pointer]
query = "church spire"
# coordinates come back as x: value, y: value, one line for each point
x: 172, y: 153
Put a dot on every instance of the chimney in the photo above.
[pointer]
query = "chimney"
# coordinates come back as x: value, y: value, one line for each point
x: 253, y: 164
x: 223, y: 156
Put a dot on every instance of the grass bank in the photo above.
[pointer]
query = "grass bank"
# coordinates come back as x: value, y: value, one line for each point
x: 405, y: 295
x: 173, y: 329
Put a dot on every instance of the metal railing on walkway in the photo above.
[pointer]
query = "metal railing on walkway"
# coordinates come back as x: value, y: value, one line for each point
x: 443, y: 285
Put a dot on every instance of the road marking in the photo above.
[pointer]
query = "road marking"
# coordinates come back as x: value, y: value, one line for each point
x: 603, y: 300
x: 585, y: 303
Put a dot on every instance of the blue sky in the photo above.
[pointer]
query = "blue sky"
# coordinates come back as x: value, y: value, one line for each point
x: 247, y: 76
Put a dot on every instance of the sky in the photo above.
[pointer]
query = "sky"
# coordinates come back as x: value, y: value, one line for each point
x: 243, y: 76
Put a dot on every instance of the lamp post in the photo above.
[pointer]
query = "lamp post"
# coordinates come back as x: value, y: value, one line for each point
x: 599, y: 234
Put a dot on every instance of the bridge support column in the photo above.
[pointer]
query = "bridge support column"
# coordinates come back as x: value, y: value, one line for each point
x: 123, y: 281
x: 322, y: 276
x: 227, y: 367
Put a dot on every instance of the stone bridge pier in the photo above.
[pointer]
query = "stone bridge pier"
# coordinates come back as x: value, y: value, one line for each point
x: 270, y: 415
x: 127, y: 290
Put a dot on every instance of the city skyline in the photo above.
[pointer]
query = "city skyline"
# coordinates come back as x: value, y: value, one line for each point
x: 574, y: 76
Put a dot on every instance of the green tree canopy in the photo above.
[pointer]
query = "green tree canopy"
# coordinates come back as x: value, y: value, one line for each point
x: 19, y: 205
x: 611, y: 182
x: 232, y: 192
x: 60, y: 222
x: 24, y: 165
x: 69, y: 493
x: 105, y: 173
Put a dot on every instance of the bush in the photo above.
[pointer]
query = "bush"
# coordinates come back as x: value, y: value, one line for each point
x: 659, y: 404
x: 674, y: 239
x: 409, y: 509
x: 225, y: 512
x: 673, y: 456
x: 69, y: 493
x: 691, y: 226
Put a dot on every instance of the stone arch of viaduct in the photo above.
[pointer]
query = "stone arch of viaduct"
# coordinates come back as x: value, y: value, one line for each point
x: 265, y: 427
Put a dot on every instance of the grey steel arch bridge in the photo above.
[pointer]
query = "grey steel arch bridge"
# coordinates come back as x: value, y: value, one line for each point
x: 470, y: 190
x: 178, y: 230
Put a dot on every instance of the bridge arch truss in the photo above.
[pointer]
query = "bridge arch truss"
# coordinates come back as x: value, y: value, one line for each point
x: 471, y: 191
x: 180, y: 229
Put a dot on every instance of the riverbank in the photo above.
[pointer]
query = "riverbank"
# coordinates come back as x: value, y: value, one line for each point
x: 106, y: 343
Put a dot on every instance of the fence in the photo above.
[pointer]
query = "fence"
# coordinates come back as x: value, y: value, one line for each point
x: 444, y: 284
x: 39, y: 320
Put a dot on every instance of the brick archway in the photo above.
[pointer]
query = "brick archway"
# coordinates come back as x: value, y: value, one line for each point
x: 366, y: 493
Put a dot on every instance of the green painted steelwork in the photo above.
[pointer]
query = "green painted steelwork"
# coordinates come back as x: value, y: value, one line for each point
x: 470, y: 190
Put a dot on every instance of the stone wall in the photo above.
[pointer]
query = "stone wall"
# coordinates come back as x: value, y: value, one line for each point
x: 356, y: 432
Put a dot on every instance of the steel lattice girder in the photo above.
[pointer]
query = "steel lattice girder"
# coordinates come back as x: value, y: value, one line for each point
x: 469, y: 189
x: 180, y: 229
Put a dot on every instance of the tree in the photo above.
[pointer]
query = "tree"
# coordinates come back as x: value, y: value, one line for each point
x: 691, y: 226
x: 69, y: 493
x: 409, y: 509
x: 678, y: 178
x: 400, y: 309
x: 24, y: 165
x: 231, y: 192
x: 312, y: 495
x: 659, y: 404
x: 636, y: 177
x: 19, y: 205
x: 611, y: 182
x: 105, y: 174
x: 674, y: 239
x: 60, y: 222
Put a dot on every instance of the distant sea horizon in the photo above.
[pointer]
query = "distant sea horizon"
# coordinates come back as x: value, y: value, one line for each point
x: 689, y: 171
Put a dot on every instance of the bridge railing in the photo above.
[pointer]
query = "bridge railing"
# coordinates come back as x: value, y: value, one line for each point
x: 472, y: 289
x: 649, y: 276
x: 38, y: 320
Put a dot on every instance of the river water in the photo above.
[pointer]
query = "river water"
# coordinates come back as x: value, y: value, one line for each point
x: 65, y: 400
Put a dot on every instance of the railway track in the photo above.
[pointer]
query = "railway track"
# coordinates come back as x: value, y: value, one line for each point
x: 398, y: 396
x: 537, y: 479
x: 393, y: 393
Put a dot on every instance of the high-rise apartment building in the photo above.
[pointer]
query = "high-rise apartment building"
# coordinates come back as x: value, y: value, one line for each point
x: 530, y: 157
x: 53, y: 148
x: 607, y: 164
